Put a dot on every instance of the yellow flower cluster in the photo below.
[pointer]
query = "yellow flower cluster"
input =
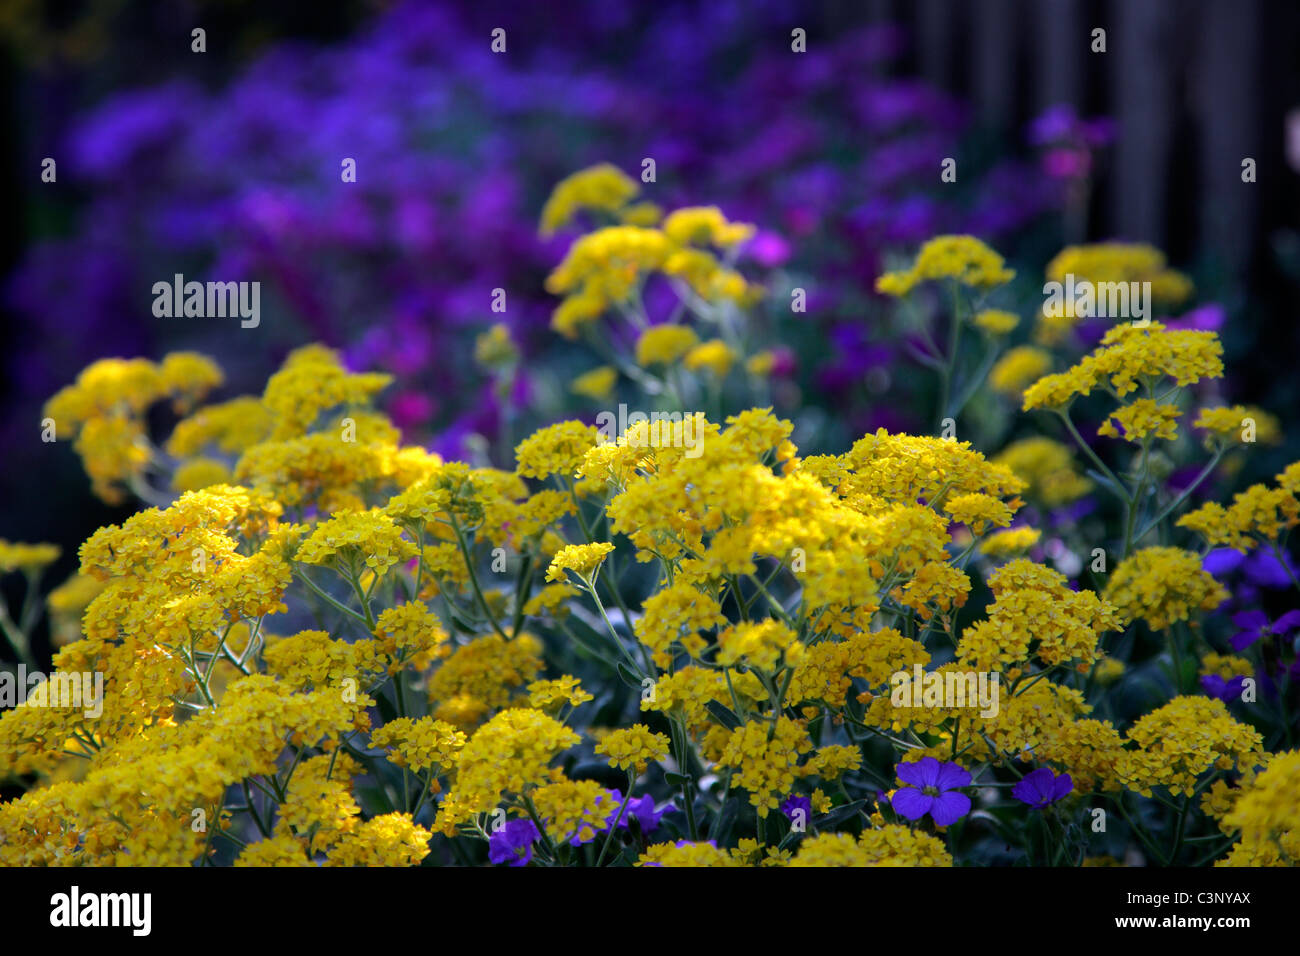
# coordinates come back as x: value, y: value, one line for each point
x: 602, y: 188
x: 1267, y: 815
x: 1258, y: 514
x: 1182, y: 740
x: 104, y: 412
x: 888, y: 846
x: 1129, y: 356
x: 963, y: 259
x: 1047, y: 468
x: 27, y: 558
x: 606, y: 268
x: 1034, y: 604
x: 1162, y: 586
x: 633, y: 746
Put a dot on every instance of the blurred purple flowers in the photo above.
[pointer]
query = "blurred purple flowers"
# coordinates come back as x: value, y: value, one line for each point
x: 398, y: 267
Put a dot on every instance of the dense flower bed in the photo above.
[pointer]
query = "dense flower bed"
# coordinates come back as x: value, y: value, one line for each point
x: 668, y: 637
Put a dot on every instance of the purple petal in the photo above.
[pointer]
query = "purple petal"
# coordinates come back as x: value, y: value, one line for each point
x: 1287, y: 623
x: 912, y: 803
x: 919, y: 773
x: 1243, y: 639
x: 1222, y: 561
x: 949, y: 808
x: 1063, y: 786
x: 1034, y: 788
x: 1250, y: 620
x: 952, y: 775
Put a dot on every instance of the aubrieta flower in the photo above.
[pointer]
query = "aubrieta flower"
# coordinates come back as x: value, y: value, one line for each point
x: 1221, y: 688
x: 1252, y: 625
x: 932, y: 789
x: 641, y: 809
x: 1042, y: 787
x: 797, y: 803
x: 513, y: 843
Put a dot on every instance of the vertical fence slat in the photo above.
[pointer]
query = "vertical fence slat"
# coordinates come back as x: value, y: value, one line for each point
x: 1062, y: 45
x: 1140, y: 71
x: 996, y: 32
x: 1226, y: 101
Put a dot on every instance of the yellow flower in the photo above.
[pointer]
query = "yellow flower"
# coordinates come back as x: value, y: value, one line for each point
x: 393, y: 839
x: 632, y: 747
x: 510, y: 753
x: 1141, y: 419
x: 603, y: 187
x: 555, y: 450
x: 996, y: 321
x: 597, y: 384
x: 705, y: 224
x: 686, y: 854
x: 891, y: 845
x: 664, y: 344
x: 488, y: 669
x: 1182, y: 740
x: 581, y: 559
x: 550, y: 695
x: 1128, y: 354
x: 1267, y: 815
x: 963, y: 259
x: 765, y: 767
x: 1020, y: 367
x: 1013, y: 541
x: 28, y: 558
x: 1239, y: 422
x: 761, y: 644
x: 494, y: 348
x: 370, y: 537
x: 1162, y: 586
x: 1048, y: 468
x: 420, y: 744
x: 200, y: 473
x: 1258, y: 513
x: 714, y: 355
x: 1121, y: 262
x: 978, y: 511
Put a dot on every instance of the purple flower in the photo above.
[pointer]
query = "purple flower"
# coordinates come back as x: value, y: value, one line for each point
x: 1252, y: 625
x: 1224, y: 690
x: 513, y: 843
x: 1209, y: 317
x: 1042, y: 787
x: 794, y: 803
x: 1263, y: 568
x: 1221, y: 562
x: 932, y: 791
x: 643, y: 810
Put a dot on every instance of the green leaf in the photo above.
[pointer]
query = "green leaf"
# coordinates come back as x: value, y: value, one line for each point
x: 629, y: 678
x: 723, y: 715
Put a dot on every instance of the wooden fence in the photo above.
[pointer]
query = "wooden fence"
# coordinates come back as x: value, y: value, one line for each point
x: 1195, y: 87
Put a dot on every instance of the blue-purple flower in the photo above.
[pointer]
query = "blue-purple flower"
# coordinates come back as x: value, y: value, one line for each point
x: 642, y: 809
x: 797, y: 803
x: 1252, y: 625
x: 513, y: 843
x: 1042, y: 787
x: 932, y: 791
x: 1224, y: 689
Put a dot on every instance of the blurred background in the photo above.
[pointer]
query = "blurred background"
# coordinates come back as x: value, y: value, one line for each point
x: 225, y: 165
